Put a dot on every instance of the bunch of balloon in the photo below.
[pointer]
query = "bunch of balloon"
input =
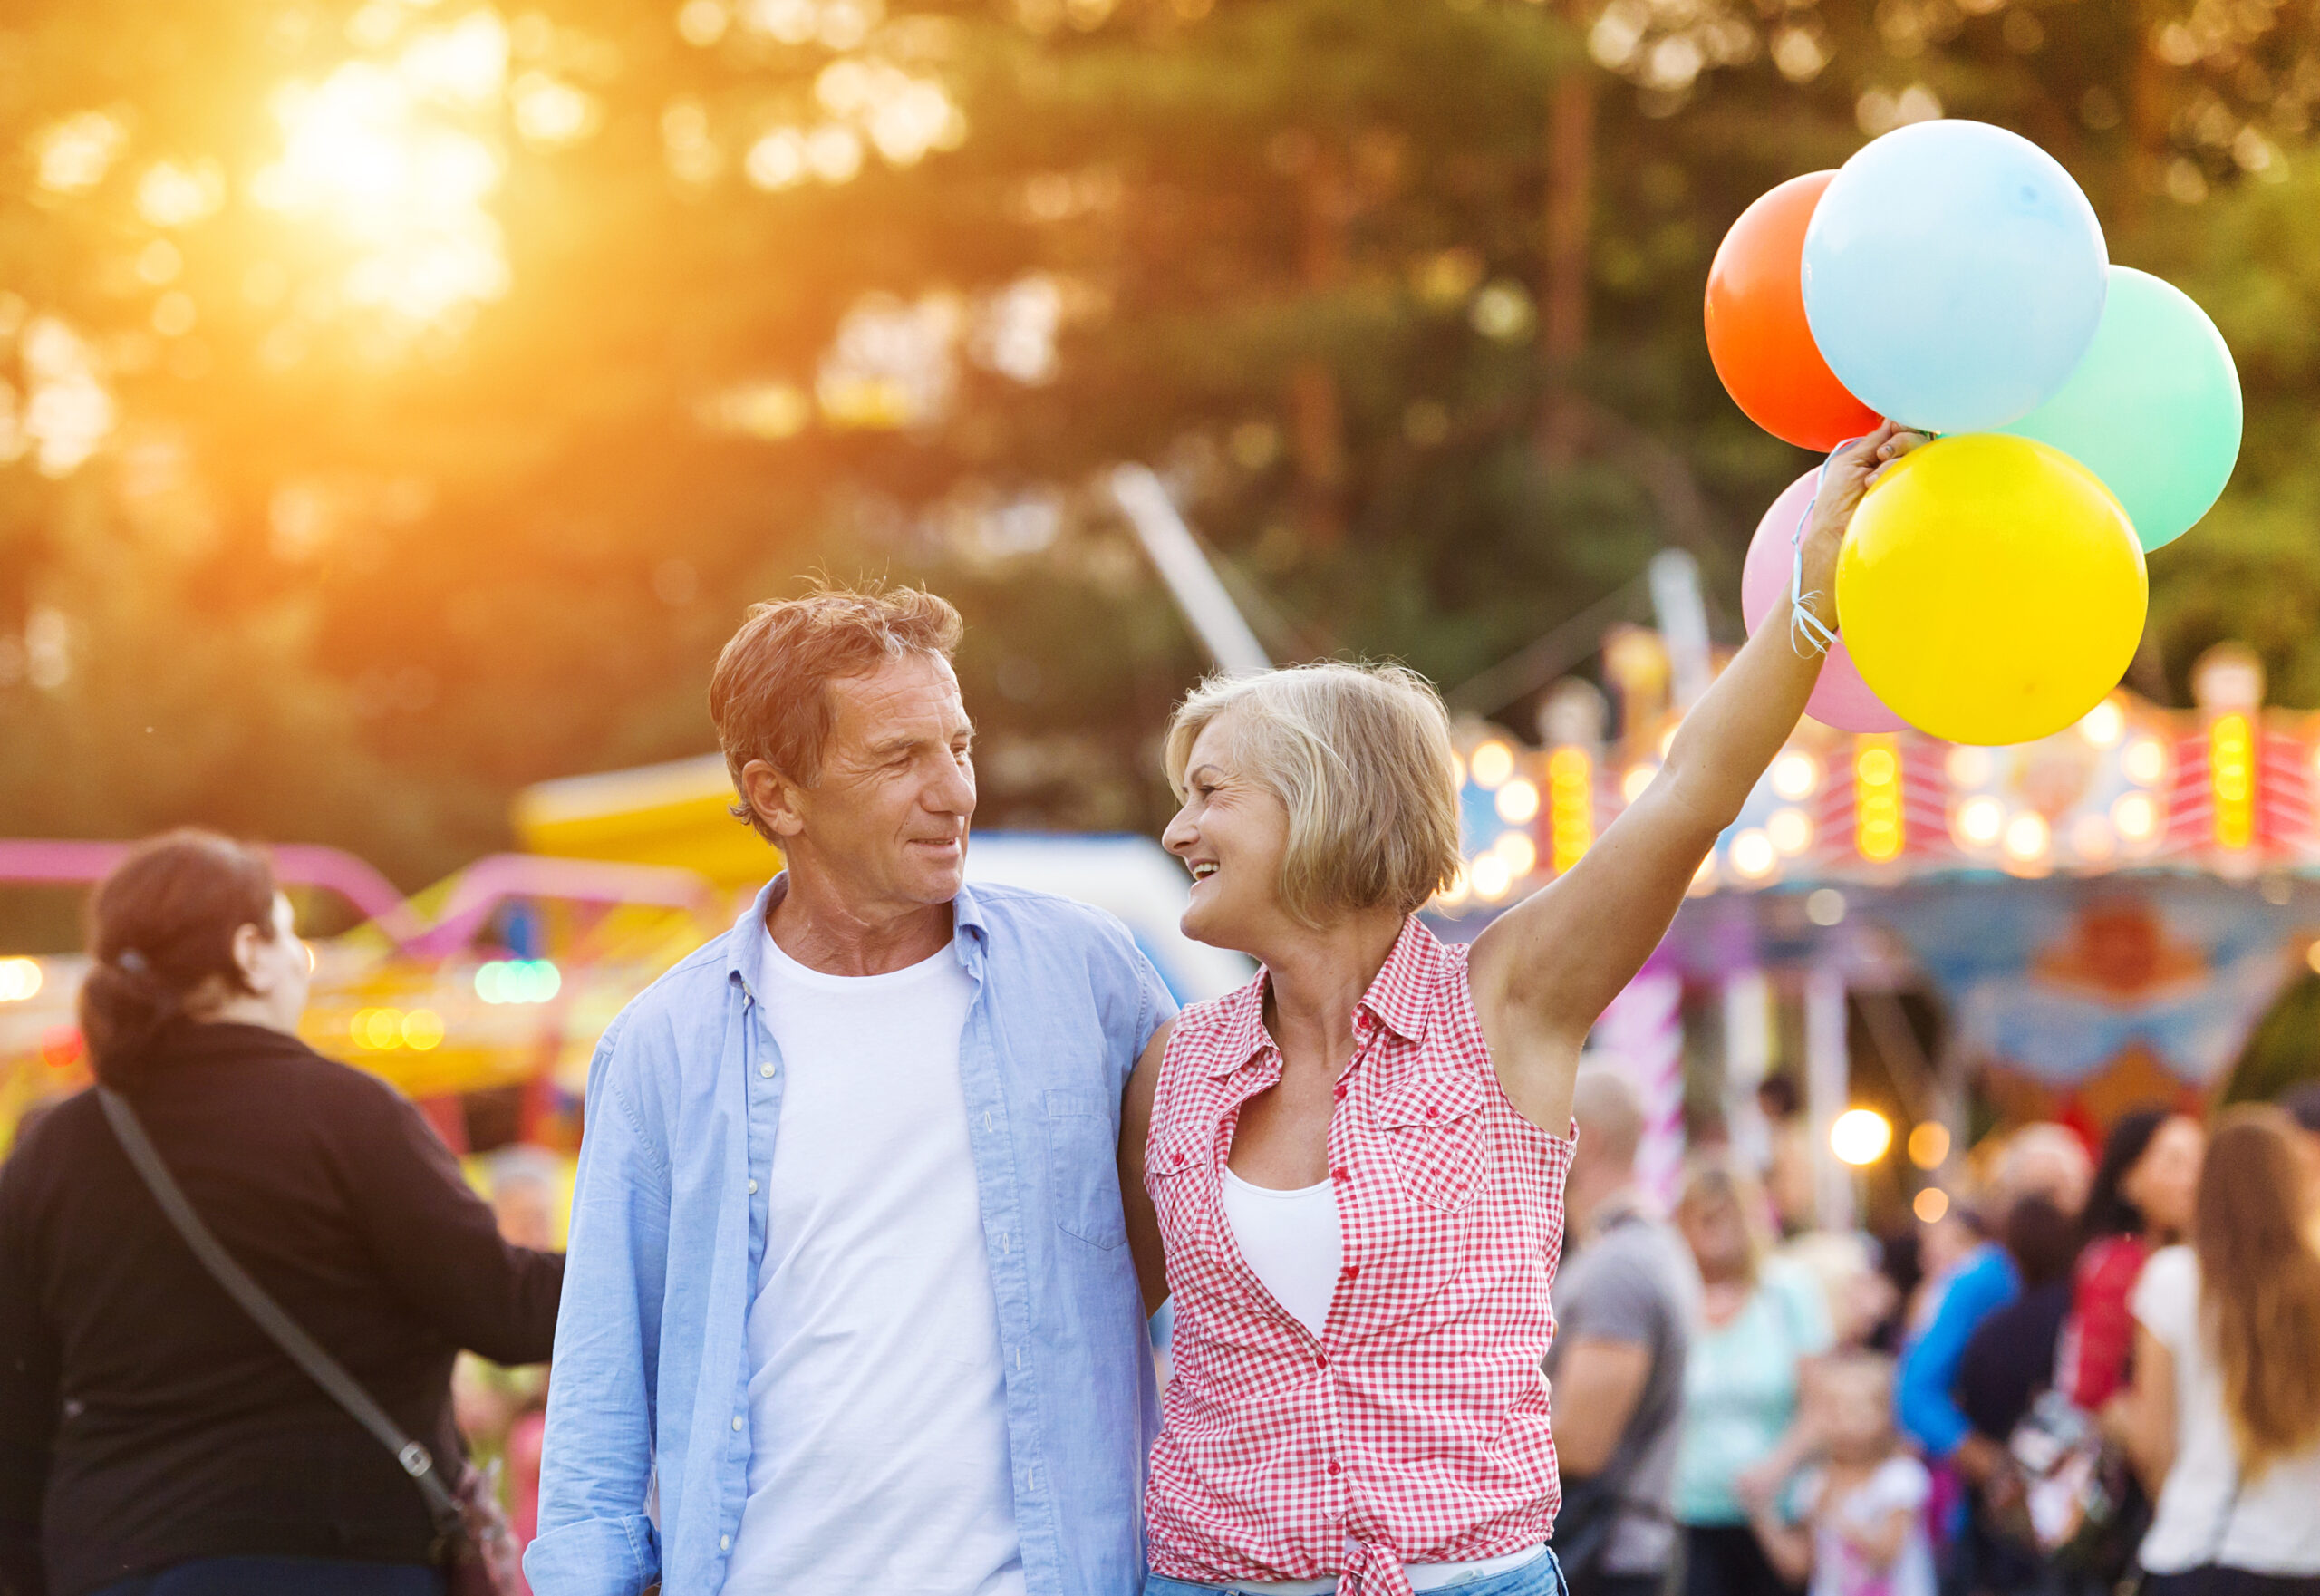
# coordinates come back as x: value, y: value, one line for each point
x: 1953, y: 277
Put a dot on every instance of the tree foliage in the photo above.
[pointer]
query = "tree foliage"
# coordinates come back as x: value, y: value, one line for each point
x: 445, y: 381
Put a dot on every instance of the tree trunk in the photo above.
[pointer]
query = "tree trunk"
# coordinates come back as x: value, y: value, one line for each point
x: 1316, y: 416
x: 1562, y: 289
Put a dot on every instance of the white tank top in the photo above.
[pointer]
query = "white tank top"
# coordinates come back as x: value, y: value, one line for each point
x: 1291, y: 1243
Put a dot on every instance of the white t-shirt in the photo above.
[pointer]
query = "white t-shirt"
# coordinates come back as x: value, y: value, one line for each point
x: 878, y: 1456
x: 2275, y: 1525
x: 1899, y: 1483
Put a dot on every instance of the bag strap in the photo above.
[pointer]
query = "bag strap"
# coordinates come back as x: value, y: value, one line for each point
x: 286, y: 1332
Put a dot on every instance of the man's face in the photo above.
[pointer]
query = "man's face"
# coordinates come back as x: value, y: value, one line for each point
x: 887, y: 819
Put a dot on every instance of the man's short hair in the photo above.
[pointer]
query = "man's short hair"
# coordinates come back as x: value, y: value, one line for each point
x: 1360, y: 757
x: 769, y: 694
x: 1608, y: 1112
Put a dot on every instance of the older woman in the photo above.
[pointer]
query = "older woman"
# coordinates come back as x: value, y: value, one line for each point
x: 1356, y: 1162
x: 1761, y: 1318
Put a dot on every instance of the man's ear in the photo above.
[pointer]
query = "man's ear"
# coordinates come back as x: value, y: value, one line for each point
x: 772, y: 797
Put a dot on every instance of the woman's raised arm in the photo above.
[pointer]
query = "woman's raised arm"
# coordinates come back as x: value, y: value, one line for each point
x: 1544, y: 969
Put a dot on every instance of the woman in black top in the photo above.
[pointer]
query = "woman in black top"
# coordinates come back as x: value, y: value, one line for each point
x: 153, y: 1441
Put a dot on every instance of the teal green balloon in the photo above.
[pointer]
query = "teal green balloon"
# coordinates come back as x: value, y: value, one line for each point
x: 2153, y: 409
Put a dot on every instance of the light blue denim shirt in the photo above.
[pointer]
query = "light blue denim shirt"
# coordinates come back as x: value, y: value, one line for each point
x: 652, y: 1368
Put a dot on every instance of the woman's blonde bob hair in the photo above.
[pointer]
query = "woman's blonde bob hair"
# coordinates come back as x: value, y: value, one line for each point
x: 1360, y: 757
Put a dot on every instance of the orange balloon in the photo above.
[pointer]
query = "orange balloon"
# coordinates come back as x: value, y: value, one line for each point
x: 1756, y: 332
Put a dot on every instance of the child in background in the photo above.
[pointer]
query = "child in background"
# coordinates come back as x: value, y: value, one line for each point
x: 1862, y: 1526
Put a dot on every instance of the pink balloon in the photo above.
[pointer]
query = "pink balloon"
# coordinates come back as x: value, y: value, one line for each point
x: 1842, y: 700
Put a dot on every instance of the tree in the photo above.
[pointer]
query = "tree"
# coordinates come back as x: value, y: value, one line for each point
x: 409, y: 398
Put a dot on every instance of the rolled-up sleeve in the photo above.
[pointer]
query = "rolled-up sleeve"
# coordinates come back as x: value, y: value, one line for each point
x: 595, y: 1537
x: 1135, y: 996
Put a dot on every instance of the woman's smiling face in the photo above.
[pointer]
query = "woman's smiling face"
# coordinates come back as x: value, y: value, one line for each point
x: 1232, y: 832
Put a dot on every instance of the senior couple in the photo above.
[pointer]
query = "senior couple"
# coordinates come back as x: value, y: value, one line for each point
x: 879, y: 1186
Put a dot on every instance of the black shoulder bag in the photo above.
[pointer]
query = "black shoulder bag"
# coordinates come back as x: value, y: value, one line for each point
x: 472, y: 1541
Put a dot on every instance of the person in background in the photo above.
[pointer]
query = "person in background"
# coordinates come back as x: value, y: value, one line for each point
x: 1861, y: 1532
x: 2007, y: 1362
x: 1858, y: 1297
x: 1943, y: 1247
x: 2041, y: 1159
x: 1788, y: 1172
x: 33, y: 1115
x: 1625, y: 1305
x: 2141, y: 1201
x: 1761, y: 1317
x: 2221, y: 1414
x: 153, y: 1440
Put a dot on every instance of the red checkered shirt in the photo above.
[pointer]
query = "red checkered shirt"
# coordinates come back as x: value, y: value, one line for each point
x: 1414, y: 1430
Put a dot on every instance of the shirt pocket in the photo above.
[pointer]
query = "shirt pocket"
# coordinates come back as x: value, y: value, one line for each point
x: 1178, y: 1174
x: 1433, y: 1125
x: 1083, y: 1166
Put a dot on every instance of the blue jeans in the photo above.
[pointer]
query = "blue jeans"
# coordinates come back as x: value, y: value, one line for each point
x: 1542, y: 1576
x: 283, y: 1576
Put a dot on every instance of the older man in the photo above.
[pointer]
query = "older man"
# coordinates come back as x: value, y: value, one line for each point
x: 848, y: 1281
x: 1626, y: 1301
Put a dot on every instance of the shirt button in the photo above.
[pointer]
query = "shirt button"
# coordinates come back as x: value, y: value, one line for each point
x: 1336, y: 1174
x: 1336, y: 1468
x: 753, y: 1189
x: 724, y: 1542
x: 1322, y: 1362
x: 737, y: 1421
x: 766, y: 1071
x: 1352, y: 1270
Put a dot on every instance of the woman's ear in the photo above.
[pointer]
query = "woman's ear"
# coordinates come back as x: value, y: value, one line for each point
x: 249, y: 958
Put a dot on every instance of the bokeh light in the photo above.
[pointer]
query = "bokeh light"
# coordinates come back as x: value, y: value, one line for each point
x: 1492, y: 764
x: 1795, y: 776
x: 1518, y: 802
x: 517, y: 981
x: 20, y: 979
x: 1928, y: 1144
x: 1859, y: 1137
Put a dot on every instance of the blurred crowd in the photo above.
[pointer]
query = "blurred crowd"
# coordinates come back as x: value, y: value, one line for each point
x: 2096, y: 1371
x: 2099, y: 1369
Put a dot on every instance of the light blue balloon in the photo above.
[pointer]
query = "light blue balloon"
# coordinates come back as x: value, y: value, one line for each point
x: 1954, y: 275
x: 2153, y: 409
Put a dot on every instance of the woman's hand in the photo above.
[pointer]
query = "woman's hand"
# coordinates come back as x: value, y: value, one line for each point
x: 1843, y: 481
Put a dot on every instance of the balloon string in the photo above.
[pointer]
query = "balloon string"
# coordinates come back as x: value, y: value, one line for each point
x: 1807, y: 634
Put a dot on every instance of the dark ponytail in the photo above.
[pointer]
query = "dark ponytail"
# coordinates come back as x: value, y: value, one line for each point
x: 160, y: 928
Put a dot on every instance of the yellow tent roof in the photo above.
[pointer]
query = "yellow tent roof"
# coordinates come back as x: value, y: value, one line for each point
x: 672, y: 814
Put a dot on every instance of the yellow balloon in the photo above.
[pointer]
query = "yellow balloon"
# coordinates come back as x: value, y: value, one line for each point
x: 1990, y: 589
